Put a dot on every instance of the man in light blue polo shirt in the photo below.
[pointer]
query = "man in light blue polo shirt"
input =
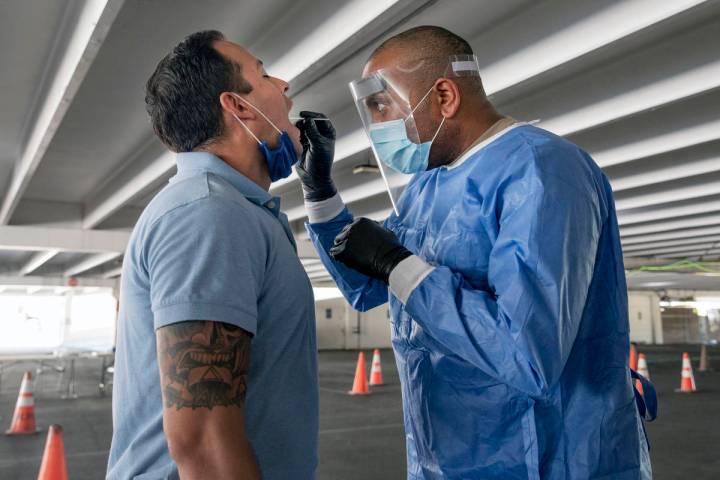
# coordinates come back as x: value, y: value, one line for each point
x: 216, y: 373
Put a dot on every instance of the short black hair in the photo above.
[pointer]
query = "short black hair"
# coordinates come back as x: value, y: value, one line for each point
x: 424, y: 50
x: 427, y: 41
x: 182, y: 94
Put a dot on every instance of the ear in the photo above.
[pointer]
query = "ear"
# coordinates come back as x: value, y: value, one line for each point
x: 231, y: 104
x: 448, y: 95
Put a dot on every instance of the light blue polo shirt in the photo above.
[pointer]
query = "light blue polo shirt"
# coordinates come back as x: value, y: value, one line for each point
x: 212, y: 245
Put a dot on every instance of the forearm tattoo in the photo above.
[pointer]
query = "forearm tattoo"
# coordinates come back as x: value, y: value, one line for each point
x: 203, y: 364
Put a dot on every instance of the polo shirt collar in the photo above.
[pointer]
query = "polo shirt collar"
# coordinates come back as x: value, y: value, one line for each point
x: 204, y: 161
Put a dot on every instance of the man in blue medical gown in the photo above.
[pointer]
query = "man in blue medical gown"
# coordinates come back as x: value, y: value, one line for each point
x: 503, y: 269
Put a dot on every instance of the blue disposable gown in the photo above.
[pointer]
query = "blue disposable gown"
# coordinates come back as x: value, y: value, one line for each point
x: 513, y: 352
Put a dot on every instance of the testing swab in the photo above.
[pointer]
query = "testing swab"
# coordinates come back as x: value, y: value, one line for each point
x: 309, y: 118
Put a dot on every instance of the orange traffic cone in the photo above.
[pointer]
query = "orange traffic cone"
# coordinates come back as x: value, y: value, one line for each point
x: 687, y: 379
x: 633, y: 358
x: 23, y: 421
x: 53, y: 465
x: 360, y: 384
x: 642, y: 370
x: 376, y: 369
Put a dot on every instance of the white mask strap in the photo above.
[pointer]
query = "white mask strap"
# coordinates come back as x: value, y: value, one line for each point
x: 422, y: 100
x: 257, y: 110
x: 438, y: 130
x: 246, y: 128
x: 420, y: 103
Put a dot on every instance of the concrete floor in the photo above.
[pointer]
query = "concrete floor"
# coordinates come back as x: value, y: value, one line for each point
x: 360, y: 437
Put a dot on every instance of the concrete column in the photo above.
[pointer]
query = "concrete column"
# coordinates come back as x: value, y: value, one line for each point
x: 116, y: 296
x: 68, y: 316
x: 656, y: 320
x: 704, y: 361
x: 347, y: 338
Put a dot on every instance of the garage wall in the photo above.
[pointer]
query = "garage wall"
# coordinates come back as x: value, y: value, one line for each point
x: 672, y: 325
x: 338, y: 325
x: 341, y: 327
x: 645, y: 318
x: 330, y: 320
x: 375, y: 328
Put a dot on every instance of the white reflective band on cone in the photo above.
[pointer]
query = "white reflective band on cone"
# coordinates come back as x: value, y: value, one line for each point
x: 25, y: 401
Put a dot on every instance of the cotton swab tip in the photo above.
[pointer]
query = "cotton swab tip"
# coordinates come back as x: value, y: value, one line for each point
x: 311, y: 118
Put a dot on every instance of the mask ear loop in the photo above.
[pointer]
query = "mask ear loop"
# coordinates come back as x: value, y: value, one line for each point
x: 246, y: 128
x: 420, y: 103
x: 438, y: 130
x: 257, y: 110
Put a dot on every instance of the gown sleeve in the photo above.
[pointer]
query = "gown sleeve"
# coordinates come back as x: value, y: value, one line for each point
x: 361, y: 291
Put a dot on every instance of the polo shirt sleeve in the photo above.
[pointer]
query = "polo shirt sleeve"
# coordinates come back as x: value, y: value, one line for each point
x: 205, y: 261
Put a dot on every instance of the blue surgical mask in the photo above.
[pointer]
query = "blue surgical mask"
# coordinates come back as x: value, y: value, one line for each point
x: 396, y: 150
x: 279, y: 160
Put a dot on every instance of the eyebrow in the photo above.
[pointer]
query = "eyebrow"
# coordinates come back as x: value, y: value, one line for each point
x: 376, y: 97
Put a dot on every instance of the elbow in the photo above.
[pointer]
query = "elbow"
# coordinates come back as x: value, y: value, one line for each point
x: 184, y: 447
x: 540, y: 386
x: 207, y: 449
x: 542, y: 394
x: 538, y: 392
x: 190, y: 444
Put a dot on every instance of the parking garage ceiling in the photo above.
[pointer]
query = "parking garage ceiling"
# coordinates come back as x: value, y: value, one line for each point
x: 627, y: 81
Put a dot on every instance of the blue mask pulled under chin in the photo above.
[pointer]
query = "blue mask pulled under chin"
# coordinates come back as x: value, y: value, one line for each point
x: 279, y: 160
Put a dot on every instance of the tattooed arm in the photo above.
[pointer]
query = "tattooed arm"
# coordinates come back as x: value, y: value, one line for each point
x: 203, y: 371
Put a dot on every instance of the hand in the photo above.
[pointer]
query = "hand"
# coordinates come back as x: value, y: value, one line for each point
x: 318, y: 141
x: 369, y: 248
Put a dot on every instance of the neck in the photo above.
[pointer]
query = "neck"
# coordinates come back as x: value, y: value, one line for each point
x: 246, y: 159
x: 479, y: 125
x: 465, y: 132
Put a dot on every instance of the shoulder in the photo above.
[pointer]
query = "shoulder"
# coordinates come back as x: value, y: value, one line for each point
x: 202, y: 208
x: 205, y: 199
x: 531, y: 163
x: 553, y: 154
x: 203, y: 193
x: 551, y: 162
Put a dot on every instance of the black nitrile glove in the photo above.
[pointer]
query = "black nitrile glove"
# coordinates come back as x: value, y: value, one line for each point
x: 318, y: 141
x: 369, y: 248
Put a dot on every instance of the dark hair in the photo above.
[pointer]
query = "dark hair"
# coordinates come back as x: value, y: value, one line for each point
x: 182, y: 94
x: 427, y: 41
x: 425, y: 50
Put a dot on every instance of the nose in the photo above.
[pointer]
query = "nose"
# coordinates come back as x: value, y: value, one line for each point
x: 281, y: 84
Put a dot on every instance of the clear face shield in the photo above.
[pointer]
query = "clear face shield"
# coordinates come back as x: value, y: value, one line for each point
x: 388, y: 101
